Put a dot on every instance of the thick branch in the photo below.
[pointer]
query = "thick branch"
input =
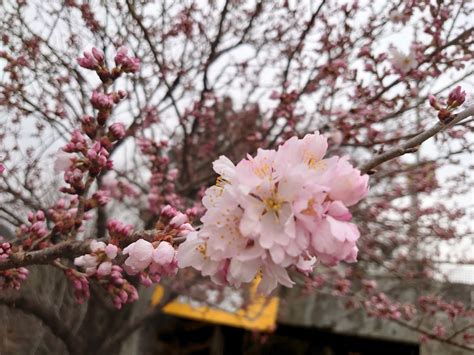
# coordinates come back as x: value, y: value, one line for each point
x: 413, y: 144
x: 72, y: 249
x: 68, y: 249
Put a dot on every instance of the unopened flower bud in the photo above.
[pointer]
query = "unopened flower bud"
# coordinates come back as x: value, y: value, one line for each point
x: 434, y: 102
x: 98, y: 54
x: 456, y: 97
x: 117, y: 131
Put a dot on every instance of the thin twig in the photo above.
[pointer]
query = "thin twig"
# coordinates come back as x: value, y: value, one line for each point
x: 413, y: 144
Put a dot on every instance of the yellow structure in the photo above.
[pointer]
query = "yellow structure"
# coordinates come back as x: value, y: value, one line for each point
x: 259, y: 314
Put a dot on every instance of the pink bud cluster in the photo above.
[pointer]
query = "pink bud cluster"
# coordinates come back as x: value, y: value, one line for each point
x: 163, y: 179
x: 381, y: 306
x: 173, y: 223
x: 99, y: 198
x: 118, y: 230
x: 116, y: 131
x: 126, y: 63
x: 37, y: 229
x: 98, y: 265
x: 63, y: 214
x: 282, y: 209
x: 95, y: 60
x: 99, y: 261
x: 77, y: 143
x: 150, y: 260
x: 80, y: 284
x: 92, y: 60
x: 455, y: 99
x: 98, y: 157
x: 11, y: 278
x: 286, y: 106
x: 120, y: 289
x: 105, y: 102
x: 153, y: 260
x: 5, y: 251
x: 101, y: 101
x: 117, y: 188
x: 431, y: 305
x: 90, y: 160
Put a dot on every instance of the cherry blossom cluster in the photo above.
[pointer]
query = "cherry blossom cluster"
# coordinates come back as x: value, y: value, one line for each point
x: 99, y: 261
x: 147, y: 260
x: 152, y: 260
x: 120, y: 289
x: 82, y: 159
x: 98, y: 265
x: 281, y: 209
x: 358, y: 83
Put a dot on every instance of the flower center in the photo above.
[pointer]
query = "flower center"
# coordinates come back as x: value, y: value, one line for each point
x: 262, y: 170
x: 221, y: 182
x: 273, y: 204
x: 311, y: 160
x: 201, y: 248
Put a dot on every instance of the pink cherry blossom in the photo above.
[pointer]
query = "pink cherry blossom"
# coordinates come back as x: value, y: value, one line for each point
x: 139, y: 256
x: 97, y: 246
x: 164, y: 254
x: 62, y: 161
x: 88, y: 262
x: 111, y: 251
x: 178, y: 220
x: 277, y: 212
x: 403, y: 62
x: 334, y: 241
x: 99, y: 260
x: 104, y: 268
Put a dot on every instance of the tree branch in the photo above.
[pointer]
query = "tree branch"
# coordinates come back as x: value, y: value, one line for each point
x: 68, y: 249
x: 413, y: 144
x: 72, y: 249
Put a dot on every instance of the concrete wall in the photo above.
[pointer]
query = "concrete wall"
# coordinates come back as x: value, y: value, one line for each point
x: 329, y: 313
